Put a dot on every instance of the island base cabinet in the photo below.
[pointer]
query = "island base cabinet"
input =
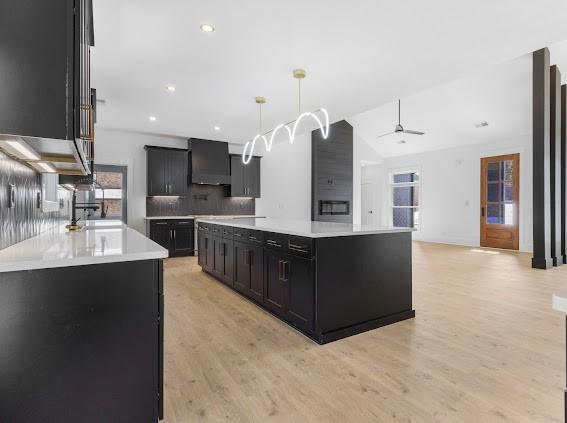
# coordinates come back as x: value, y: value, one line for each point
x: 224, y: 260
x: 289, y: 288
x: 249, y: 270
x: 82, y: 344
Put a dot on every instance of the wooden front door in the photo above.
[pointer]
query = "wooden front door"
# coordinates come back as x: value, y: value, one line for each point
x: 500, y: 201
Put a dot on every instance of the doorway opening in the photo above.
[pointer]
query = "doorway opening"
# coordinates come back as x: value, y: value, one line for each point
x: 114, y: 181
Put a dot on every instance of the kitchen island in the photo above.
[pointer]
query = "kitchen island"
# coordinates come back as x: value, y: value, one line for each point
x: 81, y: 324
x: 328, y: 280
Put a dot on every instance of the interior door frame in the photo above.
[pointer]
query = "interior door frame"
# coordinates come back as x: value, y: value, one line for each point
x: 515, y: 157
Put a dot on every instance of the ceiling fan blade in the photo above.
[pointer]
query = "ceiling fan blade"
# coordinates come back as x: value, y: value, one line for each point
x: 409, y: 131
x: 385, y: 135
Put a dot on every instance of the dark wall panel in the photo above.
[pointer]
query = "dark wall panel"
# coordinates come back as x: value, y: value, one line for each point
x: 25, y: 219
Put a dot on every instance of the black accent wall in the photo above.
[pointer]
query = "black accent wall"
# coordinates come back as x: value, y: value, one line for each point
x: 200, y: 200
x: 25, y: 219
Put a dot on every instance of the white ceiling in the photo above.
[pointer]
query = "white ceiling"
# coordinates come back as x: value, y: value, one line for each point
x: 358, y: 55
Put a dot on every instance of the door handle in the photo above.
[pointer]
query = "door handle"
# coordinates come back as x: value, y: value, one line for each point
x: 482, y: 211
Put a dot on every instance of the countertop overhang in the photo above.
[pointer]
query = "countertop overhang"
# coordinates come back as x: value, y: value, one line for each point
x: 304, y: 228
x: 197, y: 216
x: 98, y: 242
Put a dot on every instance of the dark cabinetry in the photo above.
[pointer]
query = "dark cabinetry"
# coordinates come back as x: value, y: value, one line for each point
x: 248, y: 272
x: 289, y: 288
x: 167, y: 171
x: 174, y: 235
x: 244, y: 178
x: 45, y: 70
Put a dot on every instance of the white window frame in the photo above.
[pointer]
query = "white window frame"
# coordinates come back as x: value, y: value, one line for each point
x: 417, y: 184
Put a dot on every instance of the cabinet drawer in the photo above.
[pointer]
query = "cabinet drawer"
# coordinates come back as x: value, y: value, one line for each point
x: 159, y: 223
x: 300, y: 246
x: 226, y: 231
x: 240, y: 234
x: 183, y: 223
x: 256, y: 237
x: 275, y: 241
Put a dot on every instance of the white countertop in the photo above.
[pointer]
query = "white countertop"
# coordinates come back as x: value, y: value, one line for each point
x: 98, y: 242
x: 305, y: 227
x: 197, y: 216
x: 559, y: 301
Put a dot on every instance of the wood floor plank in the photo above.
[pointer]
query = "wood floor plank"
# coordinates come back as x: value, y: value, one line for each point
x: 485, y: 346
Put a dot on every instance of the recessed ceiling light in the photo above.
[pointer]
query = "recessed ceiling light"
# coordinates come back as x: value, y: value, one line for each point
x: 207, y: 28
x: 171, y: 88
x: 152, y: 118
x: 217, y: 128
x: 401, y: 141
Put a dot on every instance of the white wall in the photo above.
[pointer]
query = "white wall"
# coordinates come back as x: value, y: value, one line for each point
x: 127, y: 149
x: 450, y: 191
x: 286, y: 180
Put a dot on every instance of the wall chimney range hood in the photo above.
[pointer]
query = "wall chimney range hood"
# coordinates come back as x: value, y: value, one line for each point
x: 209, y: 162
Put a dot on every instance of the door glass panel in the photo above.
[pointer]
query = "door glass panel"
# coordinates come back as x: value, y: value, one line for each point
x: 493, y: 171
x: 406, y: 196
x: 500, y: 193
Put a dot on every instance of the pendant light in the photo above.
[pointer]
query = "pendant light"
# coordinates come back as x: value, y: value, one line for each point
x: 290, y: 127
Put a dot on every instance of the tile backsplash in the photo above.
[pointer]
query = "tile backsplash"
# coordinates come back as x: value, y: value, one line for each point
x: 25, y: 219
x: 201, y: 199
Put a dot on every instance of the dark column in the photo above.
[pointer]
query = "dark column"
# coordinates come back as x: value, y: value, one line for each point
x: 555, y: 186
x: 540, y: 144
x: 564, y: 172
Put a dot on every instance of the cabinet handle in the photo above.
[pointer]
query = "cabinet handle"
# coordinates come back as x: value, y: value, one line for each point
x: 280, y: 275
x: 173, y: 234
x: 273, y: 243
x: 285, y: 273
x: 298, y: 248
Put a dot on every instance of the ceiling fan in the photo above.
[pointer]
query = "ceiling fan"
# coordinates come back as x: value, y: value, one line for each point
x: 399, y: 128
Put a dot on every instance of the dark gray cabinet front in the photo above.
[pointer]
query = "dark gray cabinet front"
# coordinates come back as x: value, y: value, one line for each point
x: 224, y: 260
x: 248, y: 272
x: 275, y: 296
x: 244, y: 178
x: 174, y: 235
x: 167, y: 171
x: 43, y: 71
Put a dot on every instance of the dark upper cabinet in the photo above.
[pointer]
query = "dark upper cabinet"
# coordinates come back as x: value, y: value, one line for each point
x: 244, y: 178
x: 45, y: 70
x: 167, y: 171
x: 177, y: 236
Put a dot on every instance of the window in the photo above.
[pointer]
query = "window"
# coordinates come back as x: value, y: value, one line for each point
x: 113, y: 180
x: 405, y: 199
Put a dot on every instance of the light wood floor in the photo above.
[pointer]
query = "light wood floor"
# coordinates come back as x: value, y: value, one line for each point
x: 485, y: 346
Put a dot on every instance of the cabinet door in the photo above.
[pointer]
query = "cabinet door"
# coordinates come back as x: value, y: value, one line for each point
x: 237, y: 177
x: 257, y: 273
x: 157, y: 174
x: 202, y: 249
x: 297, y: 272
x: 275, y: 296
x: 183, y: 243
x: 218, y: 265
x: 253, y: 178
x: 228, y: 254
x: 160, y: 232
x: 210, y: 252
x: 242, y: 268
x: 177, y: 172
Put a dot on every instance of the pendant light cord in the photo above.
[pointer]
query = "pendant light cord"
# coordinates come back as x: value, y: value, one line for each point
x: 299, y: 96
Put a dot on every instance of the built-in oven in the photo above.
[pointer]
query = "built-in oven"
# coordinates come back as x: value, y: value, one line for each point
x: 334, y: 208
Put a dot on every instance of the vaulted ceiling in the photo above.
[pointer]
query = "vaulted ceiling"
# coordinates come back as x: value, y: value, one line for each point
x: 358, y: 55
